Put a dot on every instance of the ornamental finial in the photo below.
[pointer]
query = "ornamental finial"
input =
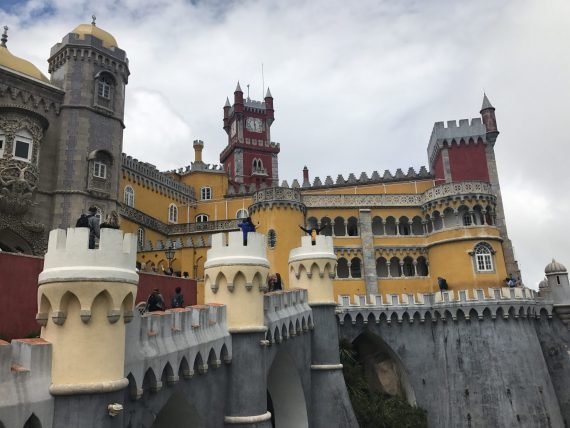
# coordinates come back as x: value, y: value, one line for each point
x: 94, y: 19
x: 4, y: 37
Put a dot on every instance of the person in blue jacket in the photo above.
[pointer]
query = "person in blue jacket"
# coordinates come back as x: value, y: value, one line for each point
x: 246, y: 226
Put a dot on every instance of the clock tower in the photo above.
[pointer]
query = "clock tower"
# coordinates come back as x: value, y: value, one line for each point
x: 250, y: 157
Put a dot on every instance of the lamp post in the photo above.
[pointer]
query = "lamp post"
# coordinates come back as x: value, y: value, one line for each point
x: 169, y: 253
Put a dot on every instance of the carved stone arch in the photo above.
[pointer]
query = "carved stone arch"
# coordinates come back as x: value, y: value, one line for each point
x: 383, y: 317
x: 258, y: 282
x: 33, y: 422
x: 406, y: 317
x: 127, y: 307
x: 460, y: 315
x: 512, y: 312
x: 310, y: 323
x: 304, y: 324
x: 417, y: 317
x: 473, y: 314
x: 487, y: 314
x: 106, y: 73
x: 394, y: 318
x: 436, y: 315
x: 277, y: 335
x: 269, y: 336
x: 371, y: 319
x: 428, y: 316
x: 284, y: 333
x: 298, y: 330
x: 101, y: 155
x: 167, y: 377
x: 500, y: 313
x: 105, y: 300
x: 544, y: 314
x: 184, y: 371
x: 315, y: 271
x: 238, y: 280
x: 133, y: 393
x: 291, y: 330
x: 199, y: 366
x: 225, y: 355
x: 150, y: 383
x: 213, y: 360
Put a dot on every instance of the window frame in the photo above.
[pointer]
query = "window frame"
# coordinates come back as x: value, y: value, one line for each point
x: 140, y: 237
x: 129, y: 197
x: 20, y: 137
x: 201, y: 218
x: 99, y: 166
x: 483, y: 258
x: 206, y: 193
x: 242, y: 210
x: 173, y: 213
x: 105, y: 87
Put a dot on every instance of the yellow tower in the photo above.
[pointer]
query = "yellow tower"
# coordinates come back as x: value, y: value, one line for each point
x: 236, y: 276
x: 85, y: 297
x: 279, y: 212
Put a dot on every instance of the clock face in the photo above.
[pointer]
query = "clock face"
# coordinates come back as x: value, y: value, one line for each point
x: 254, y: 124
x: 233, y: 130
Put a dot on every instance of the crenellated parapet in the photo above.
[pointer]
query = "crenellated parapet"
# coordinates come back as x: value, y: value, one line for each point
x: 83, y: 294
x: 466, y: 132
x: 312, y: 267
x: 236, y: 275
x: 508, y: 303
x: 187, y: 341
x: 277, y: 196
x: 287, y: 314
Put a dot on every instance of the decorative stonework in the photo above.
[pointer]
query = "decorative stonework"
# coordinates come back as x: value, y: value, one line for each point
x: 267, y: 198
x: 477, y: 188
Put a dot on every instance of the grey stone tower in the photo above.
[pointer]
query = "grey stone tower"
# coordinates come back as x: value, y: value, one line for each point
x: 93, y: 72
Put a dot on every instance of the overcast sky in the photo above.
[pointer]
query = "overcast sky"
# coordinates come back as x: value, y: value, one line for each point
x: 357, y: 86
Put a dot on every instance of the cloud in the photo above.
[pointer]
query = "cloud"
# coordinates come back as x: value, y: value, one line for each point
x: 357, y: 85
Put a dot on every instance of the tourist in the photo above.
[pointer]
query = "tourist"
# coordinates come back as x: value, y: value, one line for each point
x: 178, y: 299
x: 277, y: 285
x: 155, y: 301
x: 313, y: 232
x: 442, y: 284
x: 93, y: 224
x: 246, y: 226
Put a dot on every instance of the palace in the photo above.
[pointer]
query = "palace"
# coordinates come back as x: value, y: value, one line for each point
x: 61, y: 152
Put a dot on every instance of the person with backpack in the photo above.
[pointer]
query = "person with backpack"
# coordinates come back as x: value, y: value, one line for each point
x: 92, y: 222
x: 178, y: 299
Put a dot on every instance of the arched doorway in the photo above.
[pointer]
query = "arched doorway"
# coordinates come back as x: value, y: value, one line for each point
x: 285, y: 394
x: 178, y: 411
x: 383, y: 368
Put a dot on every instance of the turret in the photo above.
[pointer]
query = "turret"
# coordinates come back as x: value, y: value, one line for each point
x: 236, y: 276
x: 85, y: 297
x: 269, y: 107
x: 238, y: 99
x: 227, y: 108
x: 306, y: 181
x: 489, y: 120
x: 198, y: 147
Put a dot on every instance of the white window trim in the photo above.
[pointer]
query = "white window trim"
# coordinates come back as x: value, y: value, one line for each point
x: 129, y: 197
x: 206, y: 193
x: 483, y: 260
x: 201, y: 218
x: 102, y: 167
x: 104, y: 88
x: 24, y: 139
x: 140, y: 237
x: 172, y: 213
x: 242, y: 210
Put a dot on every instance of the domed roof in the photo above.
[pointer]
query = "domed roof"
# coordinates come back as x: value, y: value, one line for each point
x: 18, y: 64
x: 554, y: 267
x: 108, y: 40
x: 543, y: 283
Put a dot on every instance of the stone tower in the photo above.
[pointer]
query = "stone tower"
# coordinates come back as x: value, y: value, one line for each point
x: 85, y: 297
x: 312, y: 267
x: 466, y: 152
x: 236, y: 276
x: 250, y: 157
x: 93, y: 71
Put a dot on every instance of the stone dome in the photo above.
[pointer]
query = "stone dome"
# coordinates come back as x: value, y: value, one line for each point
x: 555, y: 267
x: 543, y: 283
x: 83, y: 29
x: 20, y: 65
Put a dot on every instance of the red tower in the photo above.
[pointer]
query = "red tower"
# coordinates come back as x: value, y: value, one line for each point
x: 250, y: 157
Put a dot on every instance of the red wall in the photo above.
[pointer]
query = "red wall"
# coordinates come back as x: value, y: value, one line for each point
x: 468, y: 162
x: 438, y: 168
x: 19, y: 285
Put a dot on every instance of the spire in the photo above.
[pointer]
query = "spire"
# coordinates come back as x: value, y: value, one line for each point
x: 268, y: 94
x: 486, y: 102
x: 238, y: 88
x: 4, y: 37
x: 227, y: 104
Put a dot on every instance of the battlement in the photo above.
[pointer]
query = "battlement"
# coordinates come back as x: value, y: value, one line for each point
x: 508, y: 302
x: 231, y: 251
x: 254, y: 105
x: 465, y: 130
x: 198, y: 166
x: 69, y: 259
x: 176, y: 341
x: 287, y: 314
x: 323, y: 249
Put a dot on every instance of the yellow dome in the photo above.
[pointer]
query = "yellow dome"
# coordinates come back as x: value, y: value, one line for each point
x: 20, y: 65
x: 91, y: 29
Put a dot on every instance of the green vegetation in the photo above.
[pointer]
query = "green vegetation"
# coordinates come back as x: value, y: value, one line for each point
x: 375, y: 409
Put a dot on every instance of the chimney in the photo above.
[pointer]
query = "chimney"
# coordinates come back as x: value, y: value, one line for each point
x: 306, y: 182
x: 198, y: 146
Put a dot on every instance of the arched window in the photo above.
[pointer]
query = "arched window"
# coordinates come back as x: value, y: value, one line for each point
x: 381, y: 268
x: 342, y: 268
x: 327, y: 229
x: 395, y: 267
x: 417, y: 226
x: 390, y: 225
x: 257, y: 167
x: 449, y: 218
x: 242, y: 213
x: 339, y: 229
x: 408, y: 267
x: 312, y: 222
x: 377, y: 226
x: 404, y: 226
x: 129, y: 196
x: 352, y: 226
x: 140, y: 237
x: 355, y: 268
x: 483, y: 257
x: 173, y: 213
x: 206, y: 193
x: 104, y: 87
x: 201, y: 218
x: 271, y: 238
x: 422, y: 266
x: 437, y: 221
x: 23, y: 144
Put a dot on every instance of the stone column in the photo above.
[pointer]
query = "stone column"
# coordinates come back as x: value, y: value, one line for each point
x: 368, y: 254
x: 311, y: 268
x: 236, y: 276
